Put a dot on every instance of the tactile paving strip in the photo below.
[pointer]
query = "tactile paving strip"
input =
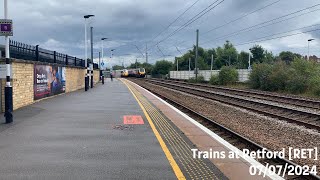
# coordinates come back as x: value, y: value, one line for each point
x: 179, y: 145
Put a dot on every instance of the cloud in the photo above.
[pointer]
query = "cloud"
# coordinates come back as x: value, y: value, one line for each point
x: 59, y: 25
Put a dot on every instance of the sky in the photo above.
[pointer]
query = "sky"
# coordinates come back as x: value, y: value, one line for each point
x: 131, y: 25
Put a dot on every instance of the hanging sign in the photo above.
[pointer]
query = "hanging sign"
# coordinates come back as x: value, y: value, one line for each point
x: 6, y: 27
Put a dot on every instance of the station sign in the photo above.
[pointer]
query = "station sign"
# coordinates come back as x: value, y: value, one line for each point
x: 91, y: 67
x: 6, y: 28
x: 3, y: 71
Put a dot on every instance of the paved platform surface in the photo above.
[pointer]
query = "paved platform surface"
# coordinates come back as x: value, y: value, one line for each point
x: 81, y: 135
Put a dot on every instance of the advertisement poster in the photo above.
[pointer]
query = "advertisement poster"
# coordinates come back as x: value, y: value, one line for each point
x: 48, y: 81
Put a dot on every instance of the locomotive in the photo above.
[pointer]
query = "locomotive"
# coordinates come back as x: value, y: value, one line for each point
x: 139, y: 73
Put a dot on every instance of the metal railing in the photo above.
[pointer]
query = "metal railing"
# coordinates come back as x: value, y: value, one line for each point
x: 20, y: 50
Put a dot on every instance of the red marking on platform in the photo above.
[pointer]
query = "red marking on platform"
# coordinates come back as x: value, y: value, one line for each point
x: 132, y: 120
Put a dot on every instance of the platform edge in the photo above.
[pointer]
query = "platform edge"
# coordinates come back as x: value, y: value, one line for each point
x: 172, y: 162
x: 250, y: 160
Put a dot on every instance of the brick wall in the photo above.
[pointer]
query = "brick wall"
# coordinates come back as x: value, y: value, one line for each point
x: 23, y: 82
x: 22, y: 85
x: 96, y: 78
x: 74, y: 79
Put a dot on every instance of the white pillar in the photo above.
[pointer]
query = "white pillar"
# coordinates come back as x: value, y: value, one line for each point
x: 211, y: 65
x: 308, y: 50
x: 85, y: 42
x: 7, y: 52
x: 101, y: 54
x: 249, y: 61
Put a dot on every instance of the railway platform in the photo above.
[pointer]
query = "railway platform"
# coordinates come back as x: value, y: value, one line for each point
x: 115, y: 131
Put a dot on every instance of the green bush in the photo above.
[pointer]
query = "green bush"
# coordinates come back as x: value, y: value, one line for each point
x: 300, y: 76
x: 279, y: 77
x: 200, y: 79
x: 228, y: 75
x: 259, y: 77
x: 315, y: 85
x: 214, y: 80
x: 296, y: 83
x: 302, y: 73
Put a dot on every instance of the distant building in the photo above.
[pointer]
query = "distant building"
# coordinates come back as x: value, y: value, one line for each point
x: 312, y: 58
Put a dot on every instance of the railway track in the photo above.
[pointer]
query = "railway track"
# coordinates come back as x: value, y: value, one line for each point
x: 304, y: 118
x: 229, y: 135
x: 295, y: 101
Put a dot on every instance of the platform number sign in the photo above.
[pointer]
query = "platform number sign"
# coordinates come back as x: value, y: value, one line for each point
x: 6, y: 27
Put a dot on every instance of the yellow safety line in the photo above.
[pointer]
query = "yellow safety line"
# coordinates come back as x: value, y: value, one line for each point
x: 174, y: 165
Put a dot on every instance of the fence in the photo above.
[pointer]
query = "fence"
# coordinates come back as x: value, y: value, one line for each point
x: 243, y: 74
x: 34, y: 53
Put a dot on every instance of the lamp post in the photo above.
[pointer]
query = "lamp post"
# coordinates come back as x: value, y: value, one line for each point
x: 177, y: 60
x: 8, y: 89
x: 86, y: 86
x: 123, y: 59
x: 112, y: 52
x: 102, y: 39
x: 91, y: 67
x: 309, y: 40
x: 211, y: 67
x: 110, y: 59
x: 189, y: 67
x: 196, y: 59
x: 249, y: 67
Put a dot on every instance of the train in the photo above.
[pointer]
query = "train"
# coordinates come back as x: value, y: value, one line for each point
x: 139, y: 73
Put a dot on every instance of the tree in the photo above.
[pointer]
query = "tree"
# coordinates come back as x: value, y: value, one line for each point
x: 162, y: 67
x: 135, y: 65
x: 288, y: 56
x: 268, y: 57
x: 117, y: 67
x: 226, y: 55
x: 243, y: 60
x: 208, y: 57
x: 184, y: 60
x: 258, y: 54
x: 148, y: 67
x: 202, y: 65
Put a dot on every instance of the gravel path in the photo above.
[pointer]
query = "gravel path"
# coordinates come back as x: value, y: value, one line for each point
x: 268, y: 132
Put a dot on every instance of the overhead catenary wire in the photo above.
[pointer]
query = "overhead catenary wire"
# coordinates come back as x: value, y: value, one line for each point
x: 139, y: 50
x: 236, y: 19
x: 256, y: 26
x: 176, y: 19
x: 178, y: 50
x: 261, y: 38
x: 241, y: 17
x: 193, y: 19
x: 280, y: 19
x: 160, y: 51
x: 270, y: 37
x: 279, y: 37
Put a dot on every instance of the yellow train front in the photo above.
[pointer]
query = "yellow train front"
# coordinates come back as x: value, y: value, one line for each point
x: 138, y: 73
x: 141, y: 73
x: 124, y: 73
